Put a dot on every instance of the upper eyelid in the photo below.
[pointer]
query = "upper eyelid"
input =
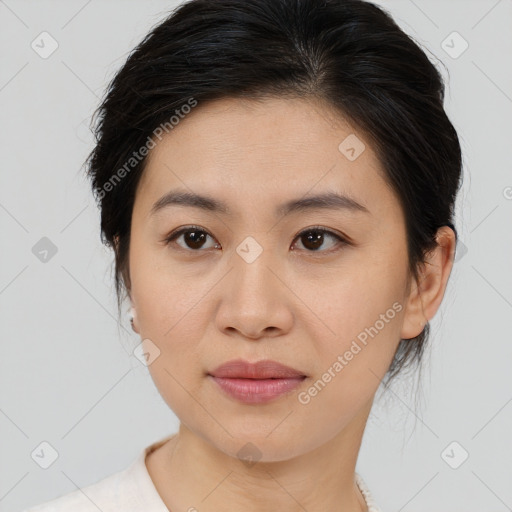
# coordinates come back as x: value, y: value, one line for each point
x: 305, y: 230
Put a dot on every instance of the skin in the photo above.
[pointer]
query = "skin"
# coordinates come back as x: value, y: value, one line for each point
x: 297, y: 306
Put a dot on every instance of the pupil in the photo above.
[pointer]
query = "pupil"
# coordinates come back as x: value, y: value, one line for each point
x: 315, y: 240
x: 195, y: 238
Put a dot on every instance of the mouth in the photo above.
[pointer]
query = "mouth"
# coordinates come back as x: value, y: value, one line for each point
x: 256, y: 383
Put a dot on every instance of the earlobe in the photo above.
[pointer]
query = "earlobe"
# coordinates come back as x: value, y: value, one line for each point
x: 133, y: 319
x: 427, y: 293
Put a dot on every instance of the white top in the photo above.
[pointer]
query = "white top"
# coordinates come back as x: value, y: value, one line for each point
x: 132, y: 490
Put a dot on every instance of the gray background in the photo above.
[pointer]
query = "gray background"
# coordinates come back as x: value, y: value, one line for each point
x: 67, y: 374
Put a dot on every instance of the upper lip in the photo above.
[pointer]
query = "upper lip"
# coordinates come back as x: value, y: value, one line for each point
x: 265, y: 369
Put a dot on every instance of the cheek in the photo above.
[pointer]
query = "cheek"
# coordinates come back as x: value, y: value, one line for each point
x: 170, y: 304
x: 364, y: 311
x: 352, y: 363
x: 175, y: 376
x: 165, y: 297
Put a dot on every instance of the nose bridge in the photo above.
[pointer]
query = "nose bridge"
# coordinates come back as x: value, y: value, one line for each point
x: 252, y: 261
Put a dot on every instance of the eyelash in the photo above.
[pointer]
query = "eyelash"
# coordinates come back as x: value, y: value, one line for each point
x: 317, y: 229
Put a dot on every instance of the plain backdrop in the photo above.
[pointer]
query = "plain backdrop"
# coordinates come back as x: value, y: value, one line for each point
x: 67, y: 373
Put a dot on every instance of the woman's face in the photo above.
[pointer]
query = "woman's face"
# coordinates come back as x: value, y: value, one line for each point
x: 243, y: 283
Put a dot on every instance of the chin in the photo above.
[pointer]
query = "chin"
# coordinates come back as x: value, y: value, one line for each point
x: 255, y: 444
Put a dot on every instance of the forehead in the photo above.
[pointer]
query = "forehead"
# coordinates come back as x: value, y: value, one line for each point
x: 252, y: 153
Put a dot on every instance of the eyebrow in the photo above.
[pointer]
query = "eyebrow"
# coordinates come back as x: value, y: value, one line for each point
x: 327, y: 200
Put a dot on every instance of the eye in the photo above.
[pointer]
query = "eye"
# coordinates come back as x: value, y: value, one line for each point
x: 313, y: 238
x: 193, y: 236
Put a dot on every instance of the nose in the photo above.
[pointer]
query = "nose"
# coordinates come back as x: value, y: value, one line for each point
x: 255, y: 301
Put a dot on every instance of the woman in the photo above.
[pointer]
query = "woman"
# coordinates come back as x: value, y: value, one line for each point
x: 277, y: 179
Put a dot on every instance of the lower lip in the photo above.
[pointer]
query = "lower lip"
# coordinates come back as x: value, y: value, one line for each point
x: 257, y: 391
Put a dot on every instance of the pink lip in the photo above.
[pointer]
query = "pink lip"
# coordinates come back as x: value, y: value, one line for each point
x: 254, y: 383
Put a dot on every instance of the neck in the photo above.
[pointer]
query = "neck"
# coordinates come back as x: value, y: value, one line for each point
x: 191, y: 474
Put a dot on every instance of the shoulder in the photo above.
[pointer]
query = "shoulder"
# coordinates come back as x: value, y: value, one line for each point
x: 129, y: 490
x: 102, y: 495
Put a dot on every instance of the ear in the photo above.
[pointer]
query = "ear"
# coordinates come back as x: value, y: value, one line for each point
x: 427, y: 293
